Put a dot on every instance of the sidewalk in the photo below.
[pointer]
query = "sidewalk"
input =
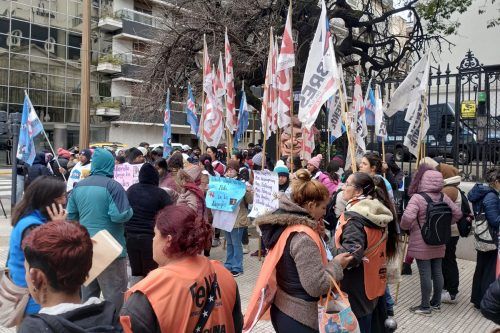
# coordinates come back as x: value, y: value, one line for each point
x: 460, y: 317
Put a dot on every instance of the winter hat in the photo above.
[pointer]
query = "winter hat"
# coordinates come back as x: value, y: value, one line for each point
x: 233, y: 165
x: 87, y: 153
x: 63, y: 153
x: 430, y: 162
x: 339, y: 160
x: 143, y: 150
x: 281, y: 169
x: 257, y: 159
x: 315, y: 161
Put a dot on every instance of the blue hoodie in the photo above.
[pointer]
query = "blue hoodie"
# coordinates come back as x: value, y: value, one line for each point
x: 486, y: 198
x: 99, y: 202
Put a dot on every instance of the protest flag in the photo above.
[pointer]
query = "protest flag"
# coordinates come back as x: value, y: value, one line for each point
x: 274, y: 89
x: 308, y: 143
x: 320, y: 75
x: 358, y: 117
x: 335, y: 125
x: 31, y: 126
x: 380, y: 126
x: 191, y: 117
x: 167, y: 128
x: 231, y: 121
x: 243, y: 119
x: 219, y: 86
x: 207, y: 95
x: 286, y: 62
x: 267, y: 103
x: 370, y: 107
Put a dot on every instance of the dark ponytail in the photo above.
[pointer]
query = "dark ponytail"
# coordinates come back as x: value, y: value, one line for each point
x: 375, y: 187
x: 331, y: 170
x: 206, y: 160
x: 375, y: 161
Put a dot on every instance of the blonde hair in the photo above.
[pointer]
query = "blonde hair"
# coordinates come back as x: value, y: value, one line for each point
x: 305, y: 190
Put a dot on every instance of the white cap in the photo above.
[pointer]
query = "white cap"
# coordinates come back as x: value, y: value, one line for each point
x: 185, y: 147
x: 143, y: 150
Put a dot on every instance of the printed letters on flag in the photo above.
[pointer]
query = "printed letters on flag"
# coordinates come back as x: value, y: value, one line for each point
x: 319, y: 78
x: 410, y: 89
x: 167, y: 129
x: 231, y: 121
x: 414, y: 136
x: 380, y: 126
x: 31, y: 126
x: 286, y: 61
x: 335, y: 117
x: 191, y: 117
x: 357, y: 117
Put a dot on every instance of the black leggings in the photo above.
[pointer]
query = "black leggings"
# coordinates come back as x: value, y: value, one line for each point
x: 285, y: 324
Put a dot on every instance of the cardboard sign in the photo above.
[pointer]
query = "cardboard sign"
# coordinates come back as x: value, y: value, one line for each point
x: 224, y: 193
x: 266, y: 193
x: 105, y: 250
x: 127, y: 174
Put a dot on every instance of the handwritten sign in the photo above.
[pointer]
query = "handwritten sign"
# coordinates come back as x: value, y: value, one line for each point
x: 224, y: 193
x: 225, y: 220
x: 127, y: 174
x: 266, y: 190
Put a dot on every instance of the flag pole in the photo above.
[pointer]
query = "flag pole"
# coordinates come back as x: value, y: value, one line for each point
x: 350, y: 148
x: 420, y: 144
x: 292, y: 100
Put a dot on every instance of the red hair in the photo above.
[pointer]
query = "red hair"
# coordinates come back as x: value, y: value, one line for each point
x: 63, y: 251
x: 190, y: 234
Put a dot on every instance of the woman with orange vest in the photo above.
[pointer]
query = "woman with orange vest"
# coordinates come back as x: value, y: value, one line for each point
x: 367, y: 229
x: 187, y: 292
x: 296, y: 261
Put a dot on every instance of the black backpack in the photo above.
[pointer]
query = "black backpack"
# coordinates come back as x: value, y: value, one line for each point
x: 330, y: 216
x: 437, y: 227
x: 465, y: 223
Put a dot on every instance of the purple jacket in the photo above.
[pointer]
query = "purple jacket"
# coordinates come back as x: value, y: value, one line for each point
x: 432, y: 184
x: 330, y: 184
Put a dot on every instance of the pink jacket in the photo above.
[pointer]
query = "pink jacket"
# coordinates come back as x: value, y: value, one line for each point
x: 330, y: 184
x: 432, y: 184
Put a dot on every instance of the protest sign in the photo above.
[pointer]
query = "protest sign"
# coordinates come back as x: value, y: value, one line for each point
x: 225, y: 220
x: 127, y: 174
x: 224, y: 193
x: 266, y: 193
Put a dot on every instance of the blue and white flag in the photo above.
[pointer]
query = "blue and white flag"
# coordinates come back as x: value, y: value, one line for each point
x: 30, y: 128
x: 243, y: 120
x: 192, y: 119
x: 370, y: 107
x: 335, y: 124
x: 167, y: 129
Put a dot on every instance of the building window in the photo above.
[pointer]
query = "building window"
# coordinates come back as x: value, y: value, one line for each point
x: 50, y: 45
x: 14, y: 39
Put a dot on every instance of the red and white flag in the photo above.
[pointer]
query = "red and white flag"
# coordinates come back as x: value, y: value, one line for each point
x: 231, y: 121
x: 213, y: 126
x: 308, y: 143
x: 274, y: 89
x: 207, y: 72
x: 357, y: 117
x: 267, y: 101
x: 286, y: 61
x: 219, y: 86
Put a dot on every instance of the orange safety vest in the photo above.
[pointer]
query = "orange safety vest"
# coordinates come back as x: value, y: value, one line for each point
x: 266, y: 286
x: 178, y: 293
x: 375, y: 269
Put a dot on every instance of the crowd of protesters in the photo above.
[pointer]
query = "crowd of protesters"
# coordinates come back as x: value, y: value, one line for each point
x: 332, y: 223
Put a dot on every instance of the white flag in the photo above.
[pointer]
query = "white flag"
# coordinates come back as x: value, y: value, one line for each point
x: 380, y: 126
x: 319, y: 78
x: 358, y: 116
x: 335, y: 116
x: 410, y: 89
x: 417, y: 132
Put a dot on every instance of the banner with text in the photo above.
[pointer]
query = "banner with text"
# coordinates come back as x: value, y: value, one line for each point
x: 224, y: 193
x: 127, y: 174
x: 266, y: 193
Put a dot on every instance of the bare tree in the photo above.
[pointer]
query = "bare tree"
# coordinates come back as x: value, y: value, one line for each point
x: 366, y: 37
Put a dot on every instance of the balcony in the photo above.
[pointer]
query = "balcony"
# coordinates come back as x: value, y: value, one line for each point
x: 108, y: 107
x: 138, y: 25
x: 110, y: 23
x: 109, y: 64
x: 132, y: 64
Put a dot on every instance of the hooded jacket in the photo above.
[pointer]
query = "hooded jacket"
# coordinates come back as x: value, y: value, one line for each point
x: 37, y: 169
x: 370, y: 213
x: 94, y: 317
x: 490, y: 305
x: 300, y: 274
x: 486, y: 199
x: 99, y: 202
x: 146, y: 200
x: 432, y: 184
x: 451, y: 180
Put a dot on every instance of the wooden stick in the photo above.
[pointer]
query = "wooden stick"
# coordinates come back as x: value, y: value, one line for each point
x: 292, y: 100
x: 403, y: 256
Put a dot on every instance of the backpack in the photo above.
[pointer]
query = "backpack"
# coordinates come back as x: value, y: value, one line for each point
x: 484, y: 235
x: 464, y: 225
x: 437, y: 227
x: 330, y: 216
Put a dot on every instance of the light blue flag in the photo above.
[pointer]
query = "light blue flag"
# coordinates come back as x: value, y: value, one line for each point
x: 370, y: 108
x: 242, y: 120
x: 192, y: 119
x: 30, y: 128
x: 167, y: 129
